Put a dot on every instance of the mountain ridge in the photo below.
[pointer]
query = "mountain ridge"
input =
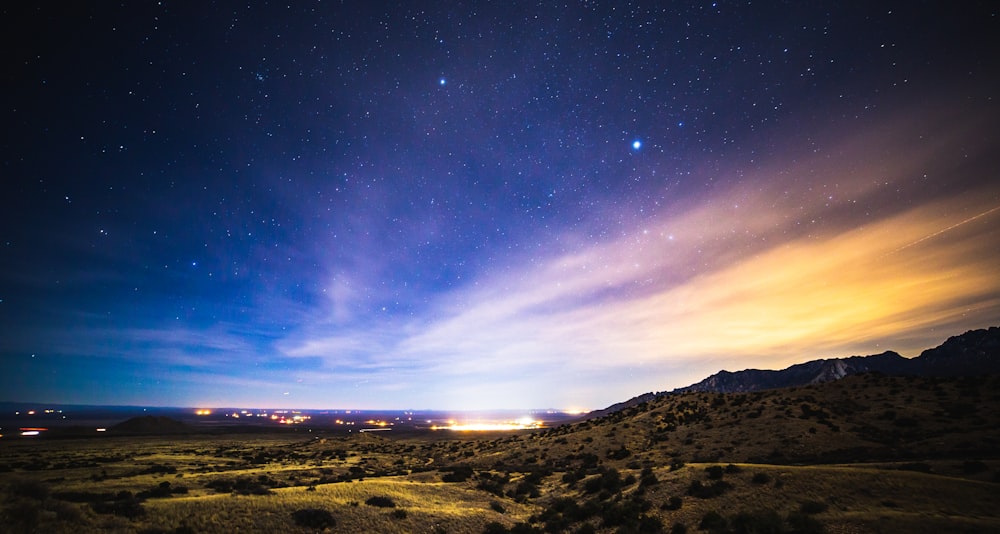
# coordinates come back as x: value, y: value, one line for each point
x: 971, y: 353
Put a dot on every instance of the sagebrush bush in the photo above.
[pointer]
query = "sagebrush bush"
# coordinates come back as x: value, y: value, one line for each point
x: 314, y: 518
x: 380, y: 501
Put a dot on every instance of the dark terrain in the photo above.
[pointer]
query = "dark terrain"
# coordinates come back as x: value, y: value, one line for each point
x: 868, y: 452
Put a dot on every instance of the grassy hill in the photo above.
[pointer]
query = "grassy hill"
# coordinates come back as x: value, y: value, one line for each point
x: 867, y: 453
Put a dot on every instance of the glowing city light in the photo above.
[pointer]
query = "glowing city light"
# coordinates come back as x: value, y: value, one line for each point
x: 523, y: 423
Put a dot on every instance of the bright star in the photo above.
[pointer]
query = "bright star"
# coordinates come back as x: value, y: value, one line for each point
x: 636, y: 145
x: 442, y: 81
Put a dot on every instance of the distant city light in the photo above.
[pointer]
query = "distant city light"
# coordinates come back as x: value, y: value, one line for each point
x: 524, y: 423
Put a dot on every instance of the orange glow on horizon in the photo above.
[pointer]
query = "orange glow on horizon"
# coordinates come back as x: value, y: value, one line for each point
x: 524, y: 423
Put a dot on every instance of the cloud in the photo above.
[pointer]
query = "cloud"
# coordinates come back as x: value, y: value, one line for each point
x: 802, y: 298
x: 766, y: 273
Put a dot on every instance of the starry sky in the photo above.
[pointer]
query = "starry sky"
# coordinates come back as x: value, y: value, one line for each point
x: 472, y: 205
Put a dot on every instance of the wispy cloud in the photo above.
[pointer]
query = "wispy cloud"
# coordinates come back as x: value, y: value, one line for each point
x: 764, y: 274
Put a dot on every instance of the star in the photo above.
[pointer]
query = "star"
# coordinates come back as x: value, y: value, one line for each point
x: 636, y: 145
x: 442, y: 82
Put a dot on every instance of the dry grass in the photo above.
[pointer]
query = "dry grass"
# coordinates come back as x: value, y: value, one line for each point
x: 450, y: 507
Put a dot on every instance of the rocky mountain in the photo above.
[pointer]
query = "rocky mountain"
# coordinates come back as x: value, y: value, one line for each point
x: 972, y: 353
x: 975, y: 352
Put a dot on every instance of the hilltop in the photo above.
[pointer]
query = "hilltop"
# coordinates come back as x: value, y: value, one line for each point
x: 972, y: 353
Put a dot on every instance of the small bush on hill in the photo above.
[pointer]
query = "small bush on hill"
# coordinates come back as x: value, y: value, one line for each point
x: 715, y: 472
x: 380, y: 501
x: 713, y: 522
x: 813, y: 507
x: 702, y: 491
x: 759, y: 521
x: 804, y: 524
x: 314, y: 518
x: 459, y: 473
x: 674, y: 503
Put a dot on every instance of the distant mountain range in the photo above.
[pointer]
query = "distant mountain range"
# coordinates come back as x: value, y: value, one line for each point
x: 975, y: 352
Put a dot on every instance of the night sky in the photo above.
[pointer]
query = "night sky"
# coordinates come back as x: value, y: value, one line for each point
x: 470, y: 205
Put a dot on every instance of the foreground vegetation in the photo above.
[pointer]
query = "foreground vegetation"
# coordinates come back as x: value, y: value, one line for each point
x: 864, y: 454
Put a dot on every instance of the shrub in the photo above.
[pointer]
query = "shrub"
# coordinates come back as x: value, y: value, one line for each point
x: 813, y: 507
x: 31, y: 489
x: 906, y: 422
x: 804, y: 524
x: 715, y: 472
x: 380, y: 501
x: 128, y: 507
x: 497, y: 507
x: 22, y: 516
x: 526, y: 487
x: 760, y: 478
x: 916, y: 466
x: 399, y: 513
x: 972, y: 467
x: 648, y: 478
x: 220, y: 485
x: 674, y: 503
x: 459, y: 473
x: 619, y: 454
x: 650, y: 524
x: 314, y: 518
x: 701, y: 491
x: 524, y: 528
x: 492, y: 485
x: 161, y: 469
x: 713, y: 522
x: 759, y: 522
x: 65, y: 511
x: 610, y: 480
x: 249, y: 486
